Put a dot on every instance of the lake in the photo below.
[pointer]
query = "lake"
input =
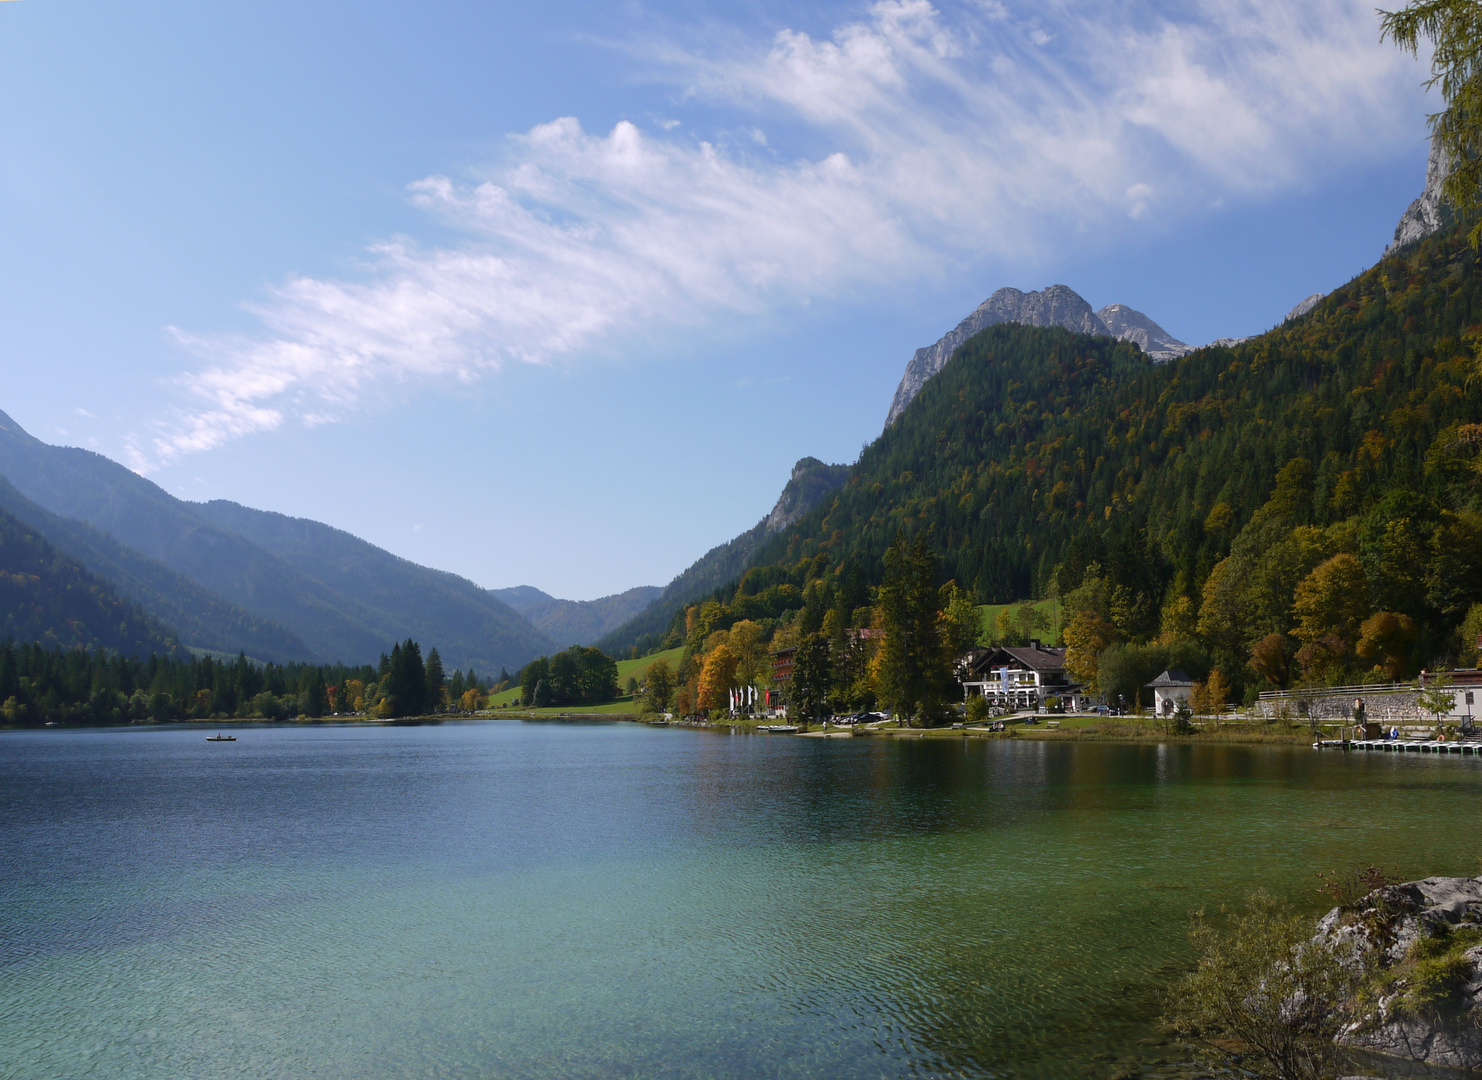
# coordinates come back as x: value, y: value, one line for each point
x: 518, y: 900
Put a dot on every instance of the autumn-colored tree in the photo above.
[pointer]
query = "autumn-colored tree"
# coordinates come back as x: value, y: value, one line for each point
x: 746, y: 645
x: 1322, y: 657
x: 1086, y: 637
x: 1179, y: 620
x: 1223, y: 608
x: 1268, y: 659
x: 658, y: 685
x: 1210, y: 696
x: 1332, y: 601
x: 717, y: 678
x: 960, y: 622
x: 473, y: 700
x: 1386, y: 638
x: 1469, y: 633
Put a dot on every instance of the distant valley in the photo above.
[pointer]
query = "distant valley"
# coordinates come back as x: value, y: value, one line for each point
x: 577, y: 622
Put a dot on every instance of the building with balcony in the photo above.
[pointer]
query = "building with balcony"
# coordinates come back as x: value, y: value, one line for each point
x: 1022, y: 677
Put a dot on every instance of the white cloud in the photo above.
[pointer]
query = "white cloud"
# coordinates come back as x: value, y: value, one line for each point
x: 928, y: 140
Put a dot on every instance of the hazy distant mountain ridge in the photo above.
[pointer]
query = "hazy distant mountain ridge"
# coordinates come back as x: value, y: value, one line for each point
x: 345, y: 599
x: 468, y: 626
x: 577, y: 622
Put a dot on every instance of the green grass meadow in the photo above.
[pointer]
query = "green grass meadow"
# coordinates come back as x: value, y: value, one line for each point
x: 626, y: 669
x: 1050, y: 609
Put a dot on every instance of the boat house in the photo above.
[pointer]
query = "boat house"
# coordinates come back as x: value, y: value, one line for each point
x: 1170, y: 688
x: 1021, y: 677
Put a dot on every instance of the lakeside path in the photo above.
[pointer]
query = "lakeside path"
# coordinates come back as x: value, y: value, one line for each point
x: 1071, y: 728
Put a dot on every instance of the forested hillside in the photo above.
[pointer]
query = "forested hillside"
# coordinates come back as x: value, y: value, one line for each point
x: 45, y: 597
x: 1044, y: 462
x: 203, y: 619
x: 811, y: 482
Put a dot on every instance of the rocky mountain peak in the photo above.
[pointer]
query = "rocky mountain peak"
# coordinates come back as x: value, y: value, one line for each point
x: 1057, y: 305
x: 1129, y: 324
x: 1304, y: 307
x: 1429, y: 212
x: 811, y: 481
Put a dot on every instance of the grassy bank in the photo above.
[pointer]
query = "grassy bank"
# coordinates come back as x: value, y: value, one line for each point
x: 626, y: 669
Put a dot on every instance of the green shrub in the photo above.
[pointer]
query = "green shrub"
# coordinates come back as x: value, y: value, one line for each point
x: 1262, y: 982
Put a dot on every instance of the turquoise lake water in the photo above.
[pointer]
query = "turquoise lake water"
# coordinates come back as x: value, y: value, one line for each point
x: 607, y: 900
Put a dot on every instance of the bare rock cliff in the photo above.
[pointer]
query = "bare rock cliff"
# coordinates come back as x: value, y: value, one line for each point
x: 1129, y: 324
x: 1429, y: 212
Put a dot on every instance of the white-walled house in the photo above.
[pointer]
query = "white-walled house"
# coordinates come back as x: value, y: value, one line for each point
x: 1021, y: 677
x: 1170, y: 688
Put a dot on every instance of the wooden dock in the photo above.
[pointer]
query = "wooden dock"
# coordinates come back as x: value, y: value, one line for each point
x: 1401, y: 746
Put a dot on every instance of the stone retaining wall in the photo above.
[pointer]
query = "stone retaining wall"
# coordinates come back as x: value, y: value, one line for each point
x: 1390, y: 707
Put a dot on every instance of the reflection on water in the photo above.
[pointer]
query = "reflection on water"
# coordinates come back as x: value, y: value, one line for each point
x: 516, y: 900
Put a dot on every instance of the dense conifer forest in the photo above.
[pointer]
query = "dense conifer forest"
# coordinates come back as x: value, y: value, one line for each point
x: 41, y: 685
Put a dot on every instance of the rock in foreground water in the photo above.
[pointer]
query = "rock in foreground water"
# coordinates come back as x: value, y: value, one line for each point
x: 1422, y: 999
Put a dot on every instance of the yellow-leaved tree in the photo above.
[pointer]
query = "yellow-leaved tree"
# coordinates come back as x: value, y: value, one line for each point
x: 717, y: 678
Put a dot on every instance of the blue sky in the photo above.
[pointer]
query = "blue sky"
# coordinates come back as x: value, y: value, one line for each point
x: 556, y: 294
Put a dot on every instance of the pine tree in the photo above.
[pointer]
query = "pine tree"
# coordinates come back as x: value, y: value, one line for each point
x: 436, y: 681
x: 916, y: 661
x: 315, y: 700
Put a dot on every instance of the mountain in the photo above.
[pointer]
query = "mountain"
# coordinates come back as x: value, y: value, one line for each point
x: 203, y: 619
x: 1197, y: 492
x: 1128, y: 324
x: 1058, y: 305
x: 467, y: 625
x: 1297, y: 312
x: 810, y: 483
x: 577, y: 622
x: 343, y: 598
x: 49, y: 598
x: 1429, y: 212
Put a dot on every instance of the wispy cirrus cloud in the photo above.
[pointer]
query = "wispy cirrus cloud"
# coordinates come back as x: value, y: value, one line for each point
x: 929, y: 138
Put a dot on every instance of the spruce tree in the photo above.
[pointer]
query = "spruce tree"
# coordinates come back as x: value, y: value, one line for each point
x: 435, y: 680
x: 315, y: 699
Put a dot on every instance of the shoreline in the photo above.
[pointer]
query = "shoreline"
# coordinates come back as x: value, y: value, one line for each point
x: 1088, y: 729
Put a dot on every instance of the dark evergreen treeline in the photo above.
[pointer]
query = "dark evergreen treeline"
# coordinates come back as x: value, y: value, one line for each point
x: 41, y: 685
x: 47, y: 597
x: 1039, y: 456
